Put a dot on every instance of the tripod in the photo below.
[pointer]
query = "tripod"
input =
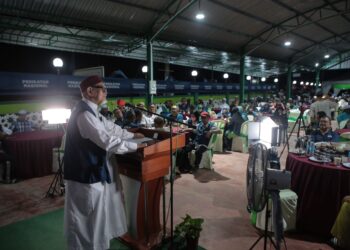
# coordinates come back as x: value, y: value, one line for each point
x: 57, y: 184
x: 265, y: 235
x: 299, y: 121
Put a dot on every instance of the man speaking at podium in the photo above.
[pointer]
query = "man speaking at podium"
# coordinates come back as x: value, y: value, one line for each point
x: 94, y: 210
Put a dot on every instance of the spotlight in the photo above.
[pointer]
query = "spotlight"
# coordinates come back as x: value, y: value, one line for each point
x: 225, y: 76
x: 326, y: 56
x: 194, y: 73
x: 248, y: 78
x: 294, y: 82
x: 144, y: 69
x: 263, y: 79
x: 275, y: 80
x: 200, y: 16
x: 316, y: 65
x: 287, y: 43
x: 57, y: 62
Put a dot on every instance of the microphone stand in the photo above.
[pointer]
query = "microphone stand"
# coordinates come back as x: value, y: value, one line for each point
x: 170, y: 122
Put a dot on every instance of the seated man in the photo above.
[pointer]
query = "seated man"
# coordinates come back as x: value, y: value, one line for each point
x: 22, y: 124
x: 175, y: 115
x: 324, y: 133
x: 119, y: 117
x: 203, y: 134
x: 105, y: 112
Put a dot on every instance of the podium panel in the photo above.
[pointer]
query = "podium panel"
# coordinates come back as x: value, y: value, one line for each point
x: 142, y: 179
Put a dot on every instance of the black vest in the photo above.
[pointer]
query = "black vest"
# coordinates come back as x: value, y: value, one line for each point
x: 84, y: 161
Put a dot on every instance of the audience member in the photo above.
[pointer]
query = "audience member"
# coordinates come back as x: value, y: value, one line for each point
x: 321, y: 104
x: 324, y: 133
x: 105, y: 112
x: 233, y: 128
x: 118, y: 116
x: 203, y: 134
x: 22, y: 124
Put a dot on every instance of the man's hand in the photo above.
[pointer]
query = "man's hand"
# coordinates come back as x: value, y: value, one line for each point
x: 138, y: 135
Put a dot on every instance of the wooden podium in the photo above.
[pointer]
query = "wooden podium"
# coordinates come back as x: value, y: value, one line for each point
x: 142, y: 179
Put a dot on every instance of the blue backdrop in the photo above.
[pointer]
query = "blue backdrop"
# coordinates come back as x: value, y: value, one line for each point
x: 46, y: 84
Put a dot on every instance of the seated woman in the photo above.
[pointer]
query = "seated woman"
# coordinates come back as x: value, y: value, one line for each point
x: 324, y: 133
x: 232, y: 128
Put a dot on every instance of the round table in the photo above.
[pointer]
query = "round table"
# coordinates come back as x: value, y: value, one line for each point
x: 320, y: 189
x: 31, y: 152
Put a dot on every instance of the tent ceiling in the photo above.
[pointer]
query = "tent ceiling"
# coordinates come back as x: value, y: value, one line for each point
x: 255, y: 28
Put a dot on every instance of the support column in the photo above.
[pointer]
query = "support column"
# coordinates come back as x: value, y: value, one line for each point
x: 317, y: 80
x: 149, y: 72
x: 195, y: 97
x: 289, y: 82
x: 242, y: 79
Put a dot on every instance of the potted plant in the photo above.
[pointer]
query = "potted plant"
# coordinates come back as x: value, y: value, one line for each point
x: 188, y: 232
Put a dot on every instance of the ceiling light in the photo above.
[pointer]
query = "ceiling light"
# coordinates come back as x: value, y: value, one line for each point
x: 200, y: 16
x: 312, y: 84
x: 294, y: 82
x: 317, y: 64
x: 326, y: 56
x: 307, y: 83
x: 263, y: 79
x: 287, y: 43
x: 301, y: 83
x: 194, y: 73
x: 319, y: 84
x: 275, y: 80
x: 248, y: 78
x: 144, y: 69
x: 57, y: 62
x: 225, y: 76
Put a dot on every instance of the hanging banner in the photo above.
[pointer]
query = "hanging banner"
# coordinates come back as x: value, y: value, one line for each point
x: 47, y: 84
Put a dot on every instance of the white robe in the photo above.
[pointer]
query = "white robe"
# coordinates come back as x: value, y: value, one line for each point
x: 94, y: 213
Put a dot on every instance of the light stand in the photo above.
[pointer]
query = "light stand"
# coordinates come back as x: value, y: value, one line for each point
x: 57, y: 116
x: 170, y: 122
x: 299, y: 120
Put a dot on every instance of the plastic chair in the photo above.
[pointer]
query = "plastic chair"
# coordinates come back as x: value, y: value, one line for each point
x: 240, y: 143
x: 218, y: 147
x: 207, y: 157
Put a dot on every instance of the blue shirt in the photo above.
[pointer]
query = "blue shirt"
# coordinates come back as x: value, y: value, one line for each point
x: 201, y: 133
x: 317, y: 136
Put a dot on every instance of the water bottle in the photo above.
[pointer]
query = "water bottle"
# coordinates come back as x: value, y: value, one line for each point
x: 308, y: 147
x: 312, y: 148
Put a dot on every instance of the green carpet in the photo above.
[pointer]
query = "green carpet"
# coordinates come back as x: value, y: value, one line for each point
x: 42, y: 232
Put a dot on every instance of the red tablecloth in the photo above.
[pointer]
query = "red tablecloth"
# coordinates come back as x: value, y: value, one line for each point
x: 32, y: 152
x: 320, y: 189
